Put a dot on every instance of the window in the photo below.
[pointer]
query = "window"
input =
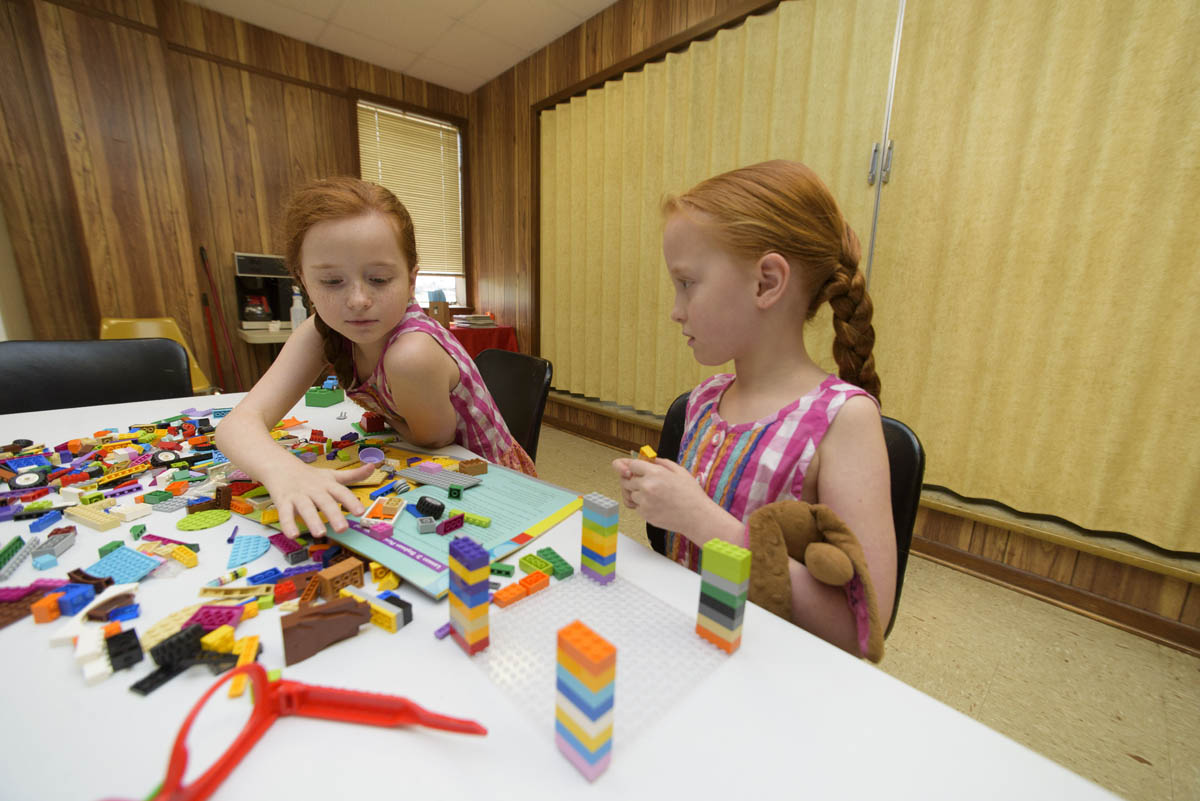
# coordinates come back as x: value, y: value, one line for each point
x: 419, y: 159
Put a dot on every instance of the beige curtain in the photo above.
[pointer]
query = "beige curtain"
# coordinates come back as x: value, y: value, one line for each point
x: 807, y: 81
x: 1036, y: 278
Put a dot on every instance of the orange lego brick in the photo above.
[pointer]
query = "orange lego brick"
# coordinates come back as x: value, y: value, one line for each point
x: 535, y: 581
x: 111, y: 628
x: 509, y: 595
x: 723, y: 644
x: 593, y: 653
x: 177, y: 488
x: 240, y: 506
x: 46, y: 609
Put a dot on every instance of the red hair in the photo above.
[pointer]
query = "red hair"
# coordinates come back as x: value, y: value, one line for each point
x: 337, y: 199
x: 783, y: 207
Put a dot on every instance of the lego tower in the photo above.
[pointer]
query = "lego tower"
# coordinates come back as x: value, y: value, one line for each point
x: 598, y: 559
x: 724, y: 584
x: 583, y: 710
x: 469, y: 571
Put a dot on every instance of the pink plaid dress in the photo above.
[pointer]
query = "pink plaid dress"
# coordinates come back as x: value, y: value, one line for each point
x: 745, y: 466
x: 480, y: 428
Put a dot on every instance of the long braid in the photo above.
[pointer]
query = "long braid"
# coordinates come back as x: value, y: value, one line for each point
x: 854, y: 336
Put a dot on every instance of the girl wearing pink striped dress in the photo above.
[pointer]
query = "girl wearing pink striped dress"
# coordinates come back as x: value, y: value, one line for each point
x: 753, y: 254
x: 352, y: 247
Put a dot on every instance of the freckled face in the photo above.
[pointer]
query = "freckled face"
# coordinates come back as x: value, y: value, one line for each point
x: 714, y: 293
x: 356, y: 276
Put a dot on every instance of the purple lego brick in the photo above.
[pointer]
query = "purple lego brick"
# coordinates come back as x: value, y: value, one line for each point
x: 451, y: 524
x: 193, y: 546
x: 212, y: 617
x: 589, y: 771
x: 596, y: 577
x: 9, y: 594
x: 284, y: 544
x: 296, y: 571
x: 380, y: 531
x: 48, y: 583
x: 9, y: 511
x: 442, y: 632
x: 429, y: 467
x: 469, y: 553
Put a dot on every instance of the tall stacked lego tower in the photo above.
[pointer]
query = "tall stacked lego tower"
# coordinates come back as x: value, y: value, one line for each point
x: 724, y: 584
x: 583, y: 711
x: 469, y: 573
x: 598, y: 559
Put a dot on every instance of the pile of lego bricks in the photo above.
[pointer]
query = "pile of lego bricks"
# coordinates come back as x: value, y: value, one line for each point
x: 598, y: 559
x: 586, y: 677
x: 469, y: 572
x: 724, y: 585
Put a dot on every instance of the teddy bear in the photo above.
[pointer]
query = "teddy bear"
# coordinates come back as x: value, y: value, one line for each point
x: 815, y: 536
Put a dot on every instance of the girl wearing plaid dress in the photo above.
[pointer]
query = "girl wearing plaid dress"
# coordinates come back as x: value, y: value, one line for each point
x: 352, y: 247
x: 753, y: 254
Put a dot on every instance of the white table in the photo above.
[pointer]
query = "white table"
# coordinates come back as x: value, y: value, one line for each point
x: 787, y: 713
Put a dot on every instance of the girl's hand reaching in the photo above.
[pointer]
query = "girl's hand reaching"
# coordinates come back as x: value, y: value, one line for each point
x: 304, y: 492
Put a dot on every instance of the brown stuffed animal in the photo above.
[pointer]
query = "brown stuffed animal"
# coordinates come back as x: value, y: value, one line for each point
x: 816, y: 537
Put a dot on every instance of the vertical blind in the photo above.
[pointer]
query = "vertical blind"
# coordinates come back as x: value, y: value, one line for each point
x: 418, y: 159
x: 805, y: 81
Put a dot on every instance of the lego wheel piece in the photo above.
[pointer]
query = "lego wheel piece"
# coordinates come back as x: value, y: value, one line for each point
x: 202, y: 520
x: 30, y: 480
x: 164, y: 458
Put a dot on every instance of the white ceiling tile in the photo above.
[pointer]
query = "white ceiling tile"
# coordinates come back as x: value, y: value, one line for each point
x: 475, y: 52
x: 272, y: 16
x: 410, y: 25
x: 373, y: 51
x: 529, y: 25
x: 322, y: 9
x: 451, y: 77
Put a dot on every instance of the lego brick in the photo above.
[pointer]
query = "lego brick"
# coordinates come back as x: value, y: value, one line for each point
x: 470, y: 554
x: 46, y: 609
x: 467, y: 576
x: 470, y: 648
x: 590, y: 770
x: 592, y: 742
x: 124, y: 650
x: 442, y: 631
x: 593, y: 652
x: 502, y: 569
x: 127, y: 612
x: 124, y: 566
x: 178, y: 646
x: 509, y: 595
x: 713, y: 627
x: 593, y: 726
x: 531, y: 562
x: 93, y: 516
x: 592, y: 704
x: 535, y: 582
x: 603, y: 560
x: 442, y: 480
x: 74, y: 598
x: 725, y: 645
x: 404, y: 606
x: 726, y: 560
x: 723, y: 595
x: 599, y: 578
x: 728, y: 622
x: 45, y: 561
x: 590, y: 565
x: 717, y: 610
x: 247, y: 650
x: 589, y: 755
x: 473, y: 467
x: 210, y: 617
x: 601, y: 505
x: 594, y: 680
x: 453, y: 523
x: 314, y: 628
x: 219, y: 639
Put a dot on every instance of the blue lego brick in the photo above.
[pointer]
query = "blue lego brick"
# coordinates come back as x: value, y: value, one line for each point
x: 469, y: 597
x: 74, y: 598
x: 22, y: 463
x: 45, y: 561
x: 413, y: 510
x: 469, y: 553
x: 127, y: 612
x: 45, y: 521
x: 124, y: 566
x: 592, y: 704
x: 592, y: 757
x: 269, y: 576
x: 603, y: 561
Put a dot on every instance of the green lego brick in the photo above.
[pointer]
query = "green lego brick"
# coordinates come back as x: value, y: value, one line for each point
x: 105, y: 550
x: 323, y: 397
x: 11, y: 549
x: 137, y: 531
x: 724, y: 597
x: 727, y: 560
x: 562, y: 568
x: 596, y: 567
x: 532, y: 562
x: 501, y: 569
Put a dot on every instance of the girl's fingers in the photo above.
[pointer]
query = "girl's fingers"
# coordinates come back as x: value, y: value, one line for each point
x: 353, y: 474
x: 348, y: 499
x: 333, y: 513
x: 286, y: 523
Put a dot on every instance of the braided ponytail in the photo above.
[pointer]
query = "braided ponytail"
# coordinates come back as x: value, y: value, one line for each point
x: 854, y: 336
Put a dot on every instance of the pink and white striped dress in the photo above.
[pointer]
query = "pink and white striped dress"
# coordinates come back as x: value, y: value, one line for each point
x: 745, y: 466
x: 480, y: 428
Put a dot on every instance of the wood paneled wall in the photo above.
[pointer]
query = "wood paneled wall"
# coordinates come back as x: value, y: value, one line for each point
x: 500, y: 144
x: 135, y: 131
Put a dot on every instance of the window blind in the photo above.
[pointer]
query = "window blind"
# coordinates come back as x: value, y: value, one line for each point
x: 419, y: 160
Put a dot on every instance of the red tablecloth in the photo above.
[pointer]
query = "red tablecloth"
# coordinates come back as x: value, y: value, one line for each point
x: 474, y: 340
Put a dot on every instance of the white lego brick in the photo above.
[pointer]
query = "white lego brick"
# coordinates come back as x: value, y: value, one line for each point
x: 132, y: 512
x: 97, y: 670
x: 89, y: 645
x: 71, y: 629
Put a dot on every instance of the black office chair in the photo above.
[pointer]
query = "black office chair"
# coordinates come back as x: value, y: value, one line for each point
x: 519, y: 384
x: 906, y: 460
x: 60, y: 374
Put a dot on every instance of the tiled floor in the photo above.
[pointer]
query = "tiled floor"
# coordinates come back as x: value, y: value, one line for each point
x: 1115, y: 708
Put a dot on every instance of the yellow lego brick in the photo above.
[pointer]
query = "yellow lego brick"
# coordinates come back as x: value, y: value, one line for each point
x: 249, y: 610
x: 94, y: 516
x: 602, y: 531
x: 270, y: 516
x: 473, y: 637
x: 247, y: 650
x: 381, y: 614
x: 470, y: 577
x: 389, y: 582
x: 589, y: 742
x: 469, y: 612
x: 716, y: 628
x: 602, y: 546
x: 238, y: 593
x: 219, y: 639
x: 647, y: 454
x: 184, y: 555
x: 726, y: 560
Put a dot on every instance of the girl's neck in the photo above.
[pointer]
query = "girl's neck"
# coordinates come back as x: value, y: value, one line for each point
x: 769, y: 378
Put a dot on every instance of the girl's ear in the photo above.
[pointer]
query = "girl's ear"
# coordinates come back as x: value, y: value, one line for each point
x: 412, y: 283
x: 773, y: 274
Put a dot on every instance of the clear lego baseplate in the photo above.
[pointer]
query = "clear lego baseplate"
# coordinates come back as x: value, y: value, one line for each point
x: 660, y: 658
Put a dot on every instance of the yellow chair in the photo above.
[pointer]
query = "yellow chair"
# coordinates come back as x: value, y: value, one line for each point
x: 148, y: 327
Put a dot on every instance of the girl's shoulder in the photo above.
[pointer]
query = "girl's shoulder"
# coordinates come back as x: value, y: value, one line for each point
x: 707, y: 391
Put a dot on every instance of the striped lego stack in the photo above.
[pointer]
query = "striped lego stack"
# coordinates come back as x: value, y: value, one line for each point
x: 724, y: 583
x: 587, y: 669
x: 598, y: 560
x: 469, y: 571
